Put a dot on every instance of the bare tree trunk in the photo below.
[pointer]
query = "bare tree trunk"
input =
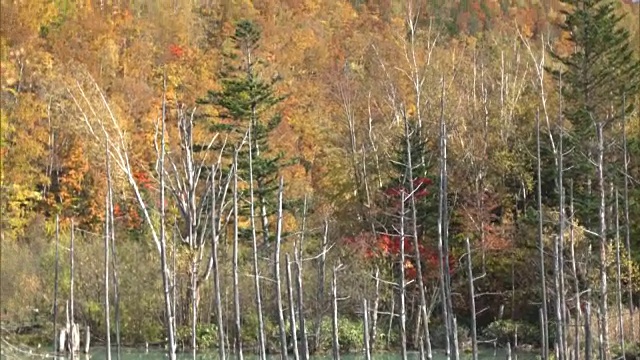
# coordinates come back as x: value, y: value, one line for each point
x: 403, y: 285
x: 604, y: 333
x: 576, y: 281
x: 619, y: 278
x: 276, y: 275
x: 627, y: 223
x: 443, y: 243
x: 163, y: 239
x: 391, y: 316
x: 298, y: 258
x: 194, y: 303
x: 365, y: 330
x: 542, y: 330
x: 107, y: 238
x: 334, y: 302
x: 174, y: 280
x: 441, y: 230
x: 55, y: 288
x: 87, y: 339
x: 256, y: 269
x: 587, y: 329
x: 376, y: 304
x: 114, y: 262
x: 414, y: 224
x: 559, y: 248
x: 292, y: 311
x: 236, y: 290
x: 543, y: 281
x: 216, y: 272
x: 472, y: 301
x: 72, y: 322
x: 321, y: 280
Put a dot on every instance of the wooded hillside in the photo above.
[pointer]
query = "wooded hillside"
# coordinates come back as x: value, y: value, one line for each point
x: 399, y: 130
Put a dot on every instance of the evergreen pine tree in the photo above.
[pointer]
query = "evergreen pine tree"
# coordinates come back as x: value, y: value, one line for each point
x: 247, y: 105
x: 401, y: 181
x: 594, y: 76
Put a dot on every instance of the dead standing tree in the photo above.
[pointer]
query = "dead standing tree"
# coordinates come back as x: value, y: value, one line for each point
x: 101, y: 123
x: 183, y: 181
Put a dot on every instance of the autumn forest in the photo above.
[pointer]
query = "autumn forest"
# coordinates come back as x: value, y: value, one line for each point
x: 321, y: 176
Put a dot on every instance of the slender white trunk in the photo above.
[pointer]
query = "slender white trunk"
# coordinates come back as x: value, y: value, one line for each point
x: 114, y: 271
x: 216, y: 271
x: 258, y: 296
x: 627, y: 223
x: 334, y: 306
x: 107, y: 238
x: 604, y: 332
x: 441, y: 235
x: 72, y: 321
x: 166, y: 276
x: 292, y: 311
x: 298, y: 260
x: 321, y: 281
x: 472, y: 302
x: 236, y: 287
x: 403, y: 294
x: 619, y: 277
x: 365, y: 330
x: 559, y: 259
x: 543, y: 281
x: 576, y: 281
x: 587, y: 327
x: 414, y: 225
x: 55, y: 288
x: 276, y: 275
x: 376, y: 304
x: 443, y: 243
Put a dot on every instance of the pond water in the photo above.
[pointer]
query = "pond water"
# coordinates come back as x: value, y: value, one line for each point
x: 142, y: 354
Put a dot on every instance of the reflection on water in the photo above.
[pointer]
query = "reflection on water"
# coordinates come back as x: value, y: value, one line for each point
x: 155, y: 354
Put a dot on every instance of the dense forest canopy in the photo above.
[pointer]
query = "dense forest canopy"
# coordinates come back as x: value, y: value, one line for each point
x: 351, y: 105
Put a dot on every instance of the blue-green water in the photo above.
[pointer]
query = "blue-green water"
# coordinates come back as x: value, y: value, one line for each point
x: 155, y: 354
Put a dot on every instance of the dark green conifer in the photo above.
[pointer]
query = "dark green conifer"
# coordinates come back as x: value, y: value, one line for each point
x: 594, y: 77
x: 247, y: 112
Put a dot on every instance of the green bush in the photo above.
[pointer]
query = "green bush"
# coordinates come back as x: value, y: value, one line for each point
x: 438, y: 335
x: 505, y: 331
x: 206, y: 335
x: 349, y: 334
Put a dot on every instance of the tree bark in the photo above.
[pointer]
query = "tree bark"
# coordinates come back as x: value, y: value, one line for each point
x: 292, y: 311
x: 299, y: 268
x: 403, y: 285
x: 216, y: 272
x: 334, y: 307
x: 321, y: 281
x: 72, y: 321
x: 627, y: 223
x: 604, y: 332
x: 576, y: 282
x: 374, y: 316
x: 543, y: 281
x: 365, y: 330
x: 55, y: 287
x: 276, y: 275
x: 472, y: 302
x: 166, y: 282
x: 414, y: 224
x: 107, y: 238
x: 236, y: 287
x: 619, y: 277
x: 258, y: 296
